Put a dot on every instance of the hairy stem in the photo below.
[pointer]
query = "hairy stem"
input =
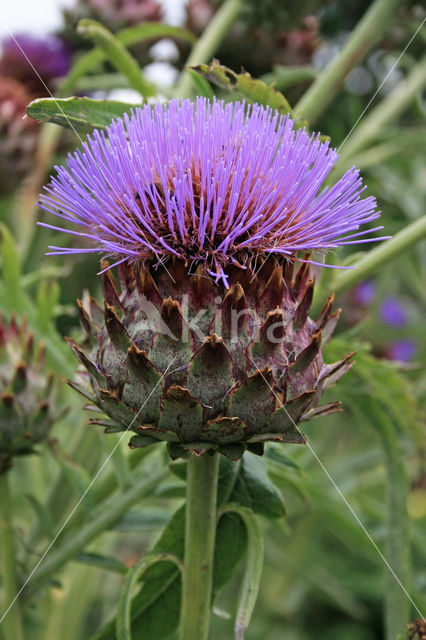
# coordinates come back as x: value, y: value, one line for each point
x: 11, y: 624
x: 368, y: 31
x: 209, y: 42
x: 200, y: 531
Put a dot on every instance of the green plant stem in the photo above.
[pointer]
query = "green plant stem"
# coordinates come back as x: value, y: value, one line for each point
x: 111, y: 511
x: 207, y: 45
x: 387, y: 110
x: 117, y: 54
x: 381, y: 255
x: 200, y: 531
x: 368, y: 31
x: 11, y: 625
x: 397, y: 605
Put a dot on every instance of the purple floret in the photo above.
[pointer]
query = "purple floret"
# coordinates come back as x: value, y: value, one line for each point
x: 209, y: 183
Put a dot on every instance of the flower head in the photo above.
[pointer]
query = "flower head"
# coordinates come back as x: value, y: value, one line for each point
x: 24, y: 52
x: 212, y: 184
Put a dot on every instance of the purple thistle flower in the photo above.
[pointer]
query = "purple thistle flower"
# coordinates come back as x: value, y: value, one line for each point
x: 211, y: 184
x: 402, y: 350
x: 48, y: 54
x: 393, y: 313
x: 364, y: 293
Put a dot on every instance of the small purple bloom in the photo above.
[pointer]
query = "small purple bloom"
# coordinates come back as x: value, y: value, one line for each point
x: 48, y: 55
x: 393, y: 313
x: 364, y: 293
x: 402, y: 350
x: 212, y: 184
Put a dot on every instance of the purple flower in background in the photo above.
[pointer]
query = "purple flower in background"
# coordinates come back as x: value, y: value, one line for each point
x: 393, y: 313
x: 211, y: 184
x: 402, y: 350
x: 22, y: 53
x: 364, y: 293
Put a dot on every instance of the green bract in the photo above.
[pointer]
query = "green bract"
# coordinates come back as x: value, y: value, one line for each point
x: 26, y: 393
x: 174, y: 357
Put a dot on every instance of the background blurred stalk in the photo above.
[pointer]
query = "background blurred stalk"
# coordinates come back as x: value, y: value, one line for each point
x: 11, y: 625
x: 397, y: 604
x: 365, y: 35
x: 103, y: 518
x: 387, y: 110
x: 379, y: 256
x: 208, y: 43
x: 27, y: 198
x: 70, y: 604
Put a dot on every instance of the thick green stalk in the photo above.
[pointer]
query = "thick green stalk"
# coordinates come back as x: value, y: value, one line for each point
x: 387, y: 110
x: 381, y: 255
x: 200, y: 531
x: 368, y: 31
x: 397, y: 604
x: 11, y: 625
x: 207, y: 45
x: 104, y: 517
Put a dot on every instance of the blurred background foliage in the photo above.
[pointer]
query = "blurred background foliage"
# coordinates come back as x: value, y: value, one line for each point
x: 322, y: 575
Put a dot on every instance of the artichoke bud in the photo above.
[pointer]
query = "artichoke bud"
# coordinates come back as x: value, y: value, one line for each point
x: 26, y: 393
x: 225, y: 369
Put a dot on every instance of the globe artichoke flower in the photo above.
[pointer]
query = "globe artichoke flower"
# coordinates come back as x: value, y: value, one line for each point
x: 26, y: 393
x: 207, y: 343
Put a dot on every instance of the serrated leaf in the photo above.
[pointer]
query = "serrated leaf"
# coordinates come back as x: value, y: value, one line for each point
x: 252, y: 89
x: 254, y: 489
x: 80, y: 114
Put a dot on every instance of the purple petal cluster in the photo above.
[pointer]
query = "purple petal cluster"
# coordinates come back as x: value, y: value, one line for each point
x: 210, y: 183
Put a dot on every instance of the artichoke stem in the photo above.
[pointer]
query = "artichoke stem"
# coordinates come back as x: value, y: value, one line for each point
x: 200, y: 532
x: 10, y: 619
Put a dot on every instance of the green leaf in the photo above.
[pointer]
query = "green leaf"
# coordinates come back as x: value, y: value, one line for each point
x: 201, y: 86
x: 78, y: 477
x: 252, y: 571
x: 142, y: 520
x: 254, y: 489
x: 161, y: 590
x: 252, y: 89
x: 117, y: 55
x: 80, y: 114
x: 130, y: 36
x: 230, y: 547
x: 108, y: 563
x: 48, y: 294
x: 274, y: 453
x: 43, y: 516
